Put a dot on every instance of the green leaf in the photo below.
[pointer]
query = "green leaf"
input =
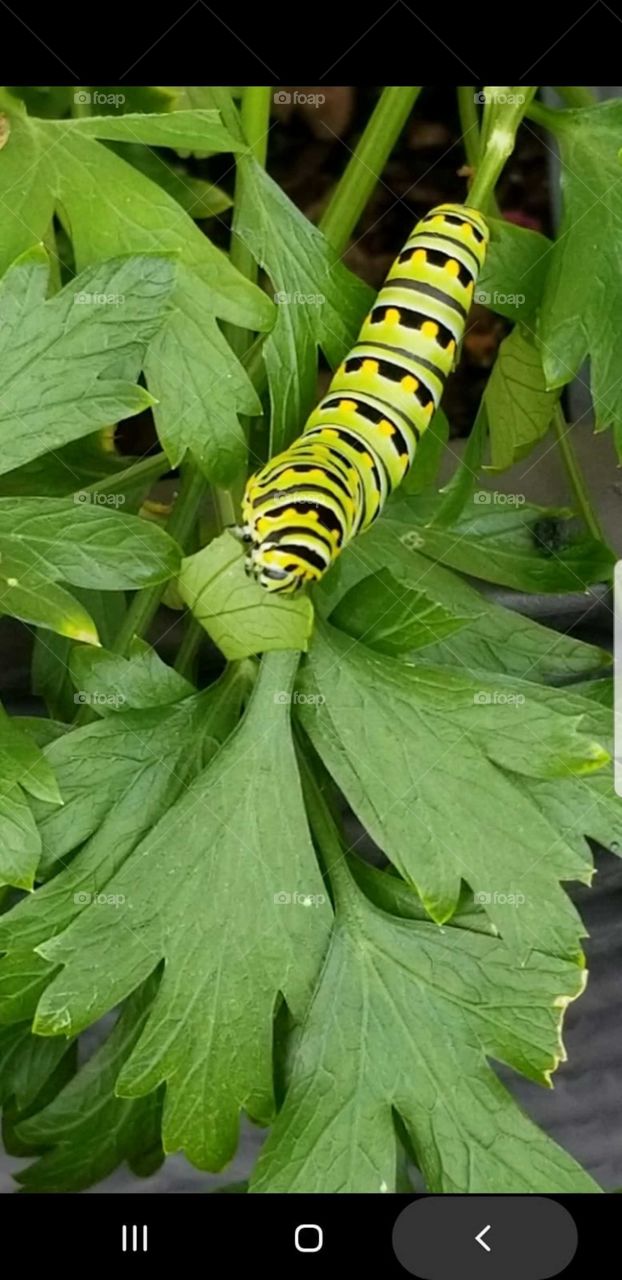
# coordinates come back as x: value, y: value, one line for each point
x: 55, y: 381
x: 25, y: 188
x: 87, y: 545
x: 27, y: 593
x: 320, y: 303
x: 86, y: 1130
x: 498, y: 640
x: 512, y: 278
x: 20, y: 842
x: 110, y: 683
x: 506, y: 540
x: 404, y: 1019
x: 239, y: 615
x: 26, y: 1064
x: 518, y: 404
x: 70, y: 469
x: 198, y: 129
x: 22, y: 761
x: 457, y: 738
x: 23, y: 978
x: 392, y: 619
x: 208, y: 892
x: 50, y: 656
x: 23, y: 767
x: 201, y: 387
x: 117, y: 777
x: 197, y: 197
x: 582, y: 306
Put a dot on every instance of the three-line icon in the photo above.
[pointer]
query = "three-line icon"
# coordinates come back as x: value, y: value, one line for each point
x: 134, y: 1245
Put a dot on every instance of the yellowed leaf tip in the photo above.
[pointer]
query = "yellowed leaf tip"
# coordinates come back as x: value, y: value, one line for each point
x: 86, y: 637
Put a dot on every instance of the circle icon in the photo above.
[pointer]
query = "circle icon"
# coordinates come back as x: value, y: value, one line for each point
x: 316, y: 1236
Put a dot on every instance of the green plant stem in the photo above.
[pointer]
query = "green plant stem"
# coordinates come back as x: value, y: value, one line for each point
x: 133, y: 477
x: 575, y: 95
x: 469, y: 123
x: 549, y: 117
x: 222, y: 515
x: 144, y: 605
x: 255, y: 124
x: 49, y: 241
x: 575, y: 475
x: 80, y: 109
x: 185, y: 662
x: 367, y: 163
x: 501, y: 121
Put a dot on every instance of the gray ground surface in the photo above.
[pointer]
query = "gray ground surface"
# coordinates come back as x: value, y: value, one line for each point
x: 583, y: 1110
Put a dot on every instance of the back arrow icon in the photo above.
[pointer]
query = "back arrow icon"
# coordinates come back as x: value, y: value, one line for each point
x: 483, y: 1242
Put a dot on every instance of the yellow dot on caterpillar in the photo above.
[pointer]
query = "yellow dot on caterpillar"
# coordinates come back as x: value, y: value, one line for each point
x: 419, y: 257
x: 392, y: 316
x: 409, y: 383
x: 385, y: 428
x: 348, y: 406
x: 429, y: 409
x: 452, y: 267
x: 370, y: 366
x: 451, y: 347
x: 429, y: 329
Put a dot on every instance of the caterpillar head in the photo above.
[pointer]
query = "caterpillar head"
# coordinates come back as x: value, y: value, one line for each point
x: 273, y: 566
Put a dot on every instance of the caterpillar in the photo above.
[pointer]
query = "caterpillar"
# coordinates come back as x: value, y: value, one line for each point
x: 307, y: 503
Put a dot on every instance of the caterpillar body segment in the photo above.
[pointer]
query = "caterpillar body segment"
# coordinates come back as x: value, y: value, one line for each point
x: 308, y: 502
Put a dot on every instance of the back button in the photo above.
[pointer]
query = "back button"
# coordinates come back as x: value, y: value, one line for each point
x: 499, y: 1237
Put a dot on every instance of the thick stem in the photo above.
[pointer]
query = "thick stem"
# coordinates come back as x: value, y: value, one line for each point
x: 469, y: 123
x: 185, y: 662
x: 575, y: 95
x: 255, y: 123
x: 549, y: 117
x: 133, y: 477
x: 144, y: 605
x: 575, y: 475
x: 505, y: 109
x: 366, y: 164
x: 81, y: 103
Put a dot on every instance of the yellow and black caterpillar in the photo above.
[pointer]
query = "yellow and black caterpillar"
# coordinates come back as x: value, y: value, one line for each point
x: 307, y: 503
